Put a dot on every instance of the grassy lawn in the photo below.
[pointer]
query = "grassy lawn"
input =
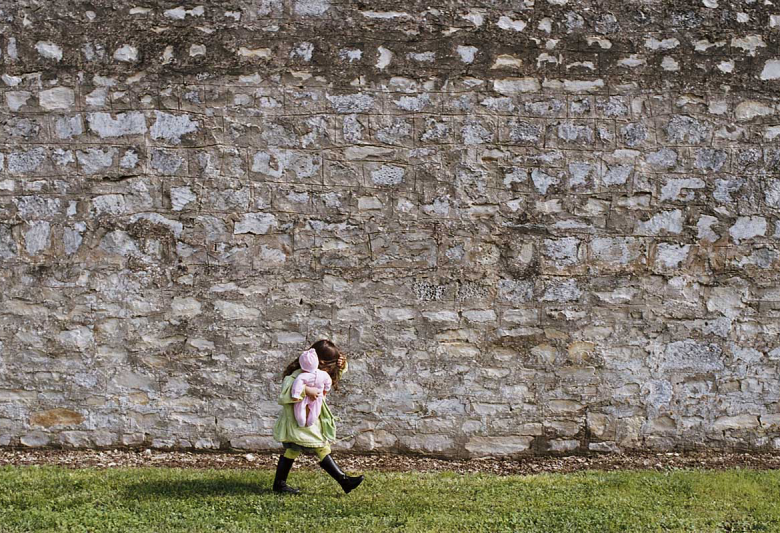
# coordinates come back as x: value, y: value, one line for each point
x: 49, y: 498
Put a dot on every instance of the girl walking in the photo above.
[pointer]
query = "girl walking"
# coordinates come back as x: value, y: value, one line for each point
x: 316, y: 438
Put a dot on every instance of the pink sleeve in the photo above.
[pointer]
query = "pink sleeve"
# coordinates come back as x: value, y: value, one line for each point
x: 298, y: 386
x: 328, y: 382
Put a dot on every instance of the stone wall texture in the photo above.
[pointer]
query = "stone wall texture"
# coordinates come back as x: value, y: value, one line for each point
x: 534, y: 226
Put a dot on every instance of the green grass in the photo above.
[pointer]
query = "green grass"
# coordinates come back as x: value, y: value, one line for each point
x: 47, y: 498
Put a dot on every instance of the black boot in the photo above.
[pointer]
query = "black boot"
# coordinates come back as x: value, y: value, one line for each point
x: 347, y: 483
x: 280, y: 481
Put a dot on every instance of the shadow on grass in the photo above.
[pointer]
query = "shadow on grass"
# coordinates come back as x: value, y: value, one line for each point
x: 193, y: 488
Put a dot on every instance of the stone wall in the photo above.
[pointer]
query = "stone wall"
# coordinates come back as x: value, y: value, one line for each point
x: 534, y: 226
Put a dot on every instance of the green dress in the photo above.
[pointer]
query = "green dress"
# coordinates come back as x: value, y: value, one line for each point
x: 287, y: 429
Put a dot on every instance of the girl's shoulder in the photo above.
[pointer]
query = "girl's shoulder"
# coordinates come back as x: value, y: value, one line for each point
x: 292, y: 376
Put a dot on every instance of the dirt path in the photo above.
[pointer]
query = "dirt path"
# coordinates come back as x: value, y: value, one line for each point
x: 391, y: 463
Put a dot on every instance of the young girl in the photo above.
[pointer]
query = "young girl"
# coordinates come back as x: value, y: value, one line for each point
x: 312, y: 439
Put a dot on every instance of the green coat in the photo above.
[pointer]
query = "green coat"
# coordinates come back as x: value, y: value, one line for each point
x: 287, y: 429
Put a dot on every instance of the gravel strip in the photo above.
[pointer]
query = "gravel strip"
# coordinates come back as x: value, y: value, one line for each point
x: 389, y: 462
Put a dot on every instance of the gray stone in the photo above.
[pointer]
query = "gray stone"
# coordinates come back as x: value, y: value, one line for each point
x: 165, y: 161
x: 673, y: 188
x: 35, y: 439
x: 16, y: 100
x: 37, y: 237
x: 671, y: 255
x: 572, y: 132
x: 107, y: 126
x: 8, y: 248
x: 562, y: 251
x: 24, y: 128
x: 634, y: 133
x: 351, y: 103
x: 516, y: 291
x: 747, y: 228
x: 663, y: 222
x: 684, y: 129
x: 172, y: 128
x: 120, y: 243
x: 388, y: 175
x: 113, y: 204
x: 498, y: 446
x: 235, y: 311
x: 617, y: 175
x: 94, y: 160
x: 56, y: 99
x: 524, y: 132
x: 181, y: 197
x: 475, y: 133
x: 49, y: 50
x: 690, y: 355
x: 709, y: 159
x: 173, y: 226
x: 311, y: 8
x: 724, y: 188
x: 68, y: 127
x: 664, y: 158
x: 72, y: 237
x: 80, y: 338
x: 256, y: 223
x: 37, y: 207
x: 543, y: 181
x: 24, y: 162
x: 621, y: 250
x: 562, y: 291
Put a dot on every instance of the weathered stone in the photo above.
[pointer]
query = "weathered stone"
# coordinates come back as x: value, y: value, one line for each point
x: 94, y: 160
x: 171, y: 128
x: 685, y: 129
x: 672, y: 255
x: 35, y: 439
x: 185, y: 307
x: 747, y: 228
x: 68, y: 127
x: 56, y: 417
x: 49, y: 50
x: 166, y: 162
x: 106, y: 125
x: 615, y: 250
x: 665, y: 221
x: 120, y: 243
x: 388, y: 175
x: 80, y: 338
x: 58, y: 98
x: 37, y: 237
x: 692, y: 356
x: 257, y: 223
x: 235, y: 311
x: 739, y: 422
x: 498, y: 446
x: 23, y: 162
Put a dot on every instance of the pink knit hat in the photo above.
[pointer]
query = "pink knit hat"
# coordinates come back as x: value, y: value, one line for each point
x: 309, y: 360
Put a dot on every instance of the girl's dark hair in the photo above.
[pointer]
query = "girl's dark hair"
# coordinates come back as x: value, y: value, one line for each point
x: 328, y: 355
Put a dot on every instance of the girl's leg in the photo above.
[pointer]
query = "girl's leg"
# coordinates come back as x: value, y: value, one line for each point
x: 291, y: 454
x: 286, y: 461
x: 322, y: 452
x: 329, y: 465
